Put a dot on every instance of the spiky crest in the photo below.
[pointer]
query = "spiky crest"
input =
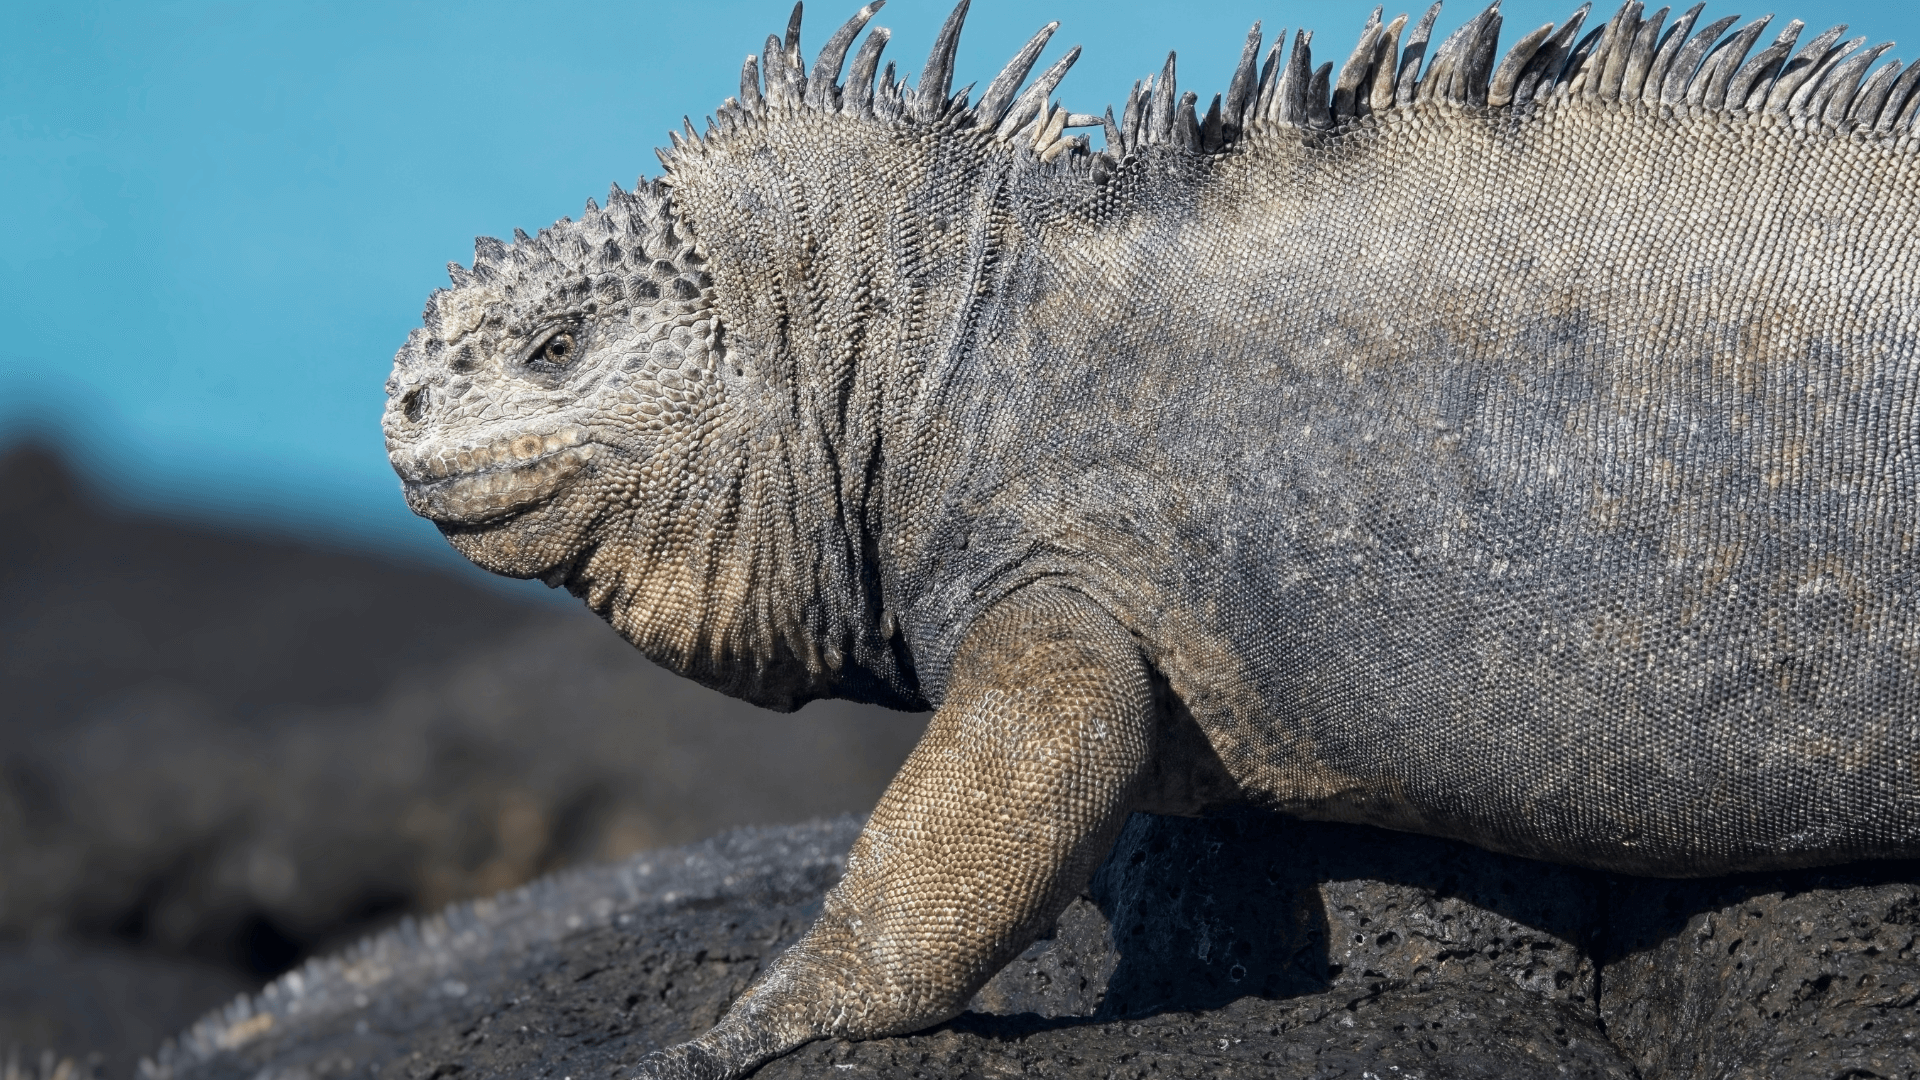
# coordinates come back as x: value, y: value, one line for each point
x: 1633, y: 58
x: 1628, y: 59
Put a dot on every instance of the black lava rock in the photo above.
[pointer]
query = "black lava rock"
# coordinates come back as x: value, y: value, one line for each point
x: 1244, y: 945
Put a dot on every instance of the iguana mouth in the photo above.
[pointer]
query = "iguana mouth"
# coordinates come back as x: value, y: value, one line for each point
x: 479, y: 485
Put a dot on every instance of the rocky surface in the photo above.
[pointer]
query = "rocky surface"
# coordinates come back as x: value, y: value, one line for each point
x: 1245, y: 945
x: 1815, y: 973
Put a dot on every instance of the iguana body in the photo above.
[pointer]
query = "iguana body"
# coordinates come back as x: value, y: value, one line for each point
x: 1520, y: 455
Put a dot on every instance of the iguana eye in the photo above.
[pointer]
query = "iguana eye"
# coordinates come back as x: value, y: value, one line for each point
x: 557, y: 351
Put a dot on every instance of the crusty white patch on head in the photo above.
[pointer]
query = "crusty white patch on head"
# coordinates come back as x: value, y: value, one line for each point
x: 462, y: 311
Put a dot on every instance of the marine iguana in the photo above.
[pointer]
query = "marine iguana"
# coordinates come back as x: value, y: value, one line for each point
x: 1520, y: 450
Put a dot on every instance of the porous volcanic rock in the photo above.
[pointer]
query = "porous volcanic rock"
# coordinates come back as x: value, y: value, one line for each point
x: 1242, y: 945
x: 1815, y: 974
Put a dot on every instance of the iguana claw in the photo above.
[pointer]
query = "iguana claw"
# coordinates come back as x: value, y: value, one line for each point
x: 686, y: 1061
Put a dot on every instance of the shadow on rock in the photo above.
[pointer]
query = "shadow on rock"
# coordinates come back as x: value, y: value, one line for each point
x: 1191, y: 914
x: 1216, y: 909
x: 1330, y: 945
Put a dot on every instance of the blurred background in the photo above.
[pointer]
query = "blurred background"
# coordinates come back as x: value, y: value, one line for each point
x: 250, y: 708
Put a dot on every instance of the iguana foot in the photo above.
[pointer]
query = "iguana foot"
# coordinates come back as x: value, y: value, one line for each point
x: 993, y: 825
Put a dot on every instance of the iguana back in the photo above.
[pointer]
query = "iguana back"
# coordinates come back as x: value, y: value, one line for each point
x: 1548, y: 483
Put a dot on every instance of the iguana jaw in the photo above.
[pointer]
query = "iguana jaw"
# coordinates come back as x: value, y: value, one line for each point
x: 480, y: 485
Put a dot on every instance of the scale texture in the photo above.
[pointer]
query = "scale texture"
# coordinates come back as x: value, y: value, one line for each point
x: 1517, y: 450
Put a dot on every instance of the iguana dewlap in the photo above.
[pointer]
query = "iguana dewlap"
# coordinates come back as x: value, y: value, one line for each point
x: 1520, y: 450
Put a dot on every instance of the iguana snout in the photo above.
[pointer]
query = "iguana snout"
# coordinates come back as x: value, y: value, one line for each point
x: 497, y: 413
x: 477, y: 485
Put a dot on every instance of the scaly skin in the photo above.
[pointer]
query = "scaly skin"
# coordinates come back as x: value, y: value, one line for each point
x: 994, y: 824
x: 1517, y: 453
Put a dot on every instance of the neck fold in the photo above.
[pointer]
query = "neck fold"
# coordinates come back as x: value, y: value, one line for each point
x: 841, y: 288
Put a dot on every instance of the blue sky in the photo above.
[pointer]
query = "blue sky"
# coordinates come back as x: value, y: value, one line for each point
x: 221, y: 219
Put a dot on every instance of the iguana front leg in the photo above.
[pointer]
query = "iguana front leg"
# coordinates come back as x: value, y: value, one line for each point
x: 994, y: 824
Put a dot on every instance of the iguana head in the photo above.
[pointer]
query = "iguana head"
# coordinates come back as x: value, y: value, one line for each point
x: 656, y: 405
x: 547, y: 376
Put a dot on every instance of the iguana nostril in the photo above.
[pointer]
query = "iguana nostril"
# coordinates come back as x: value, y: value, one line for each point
x: 414, y: 405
